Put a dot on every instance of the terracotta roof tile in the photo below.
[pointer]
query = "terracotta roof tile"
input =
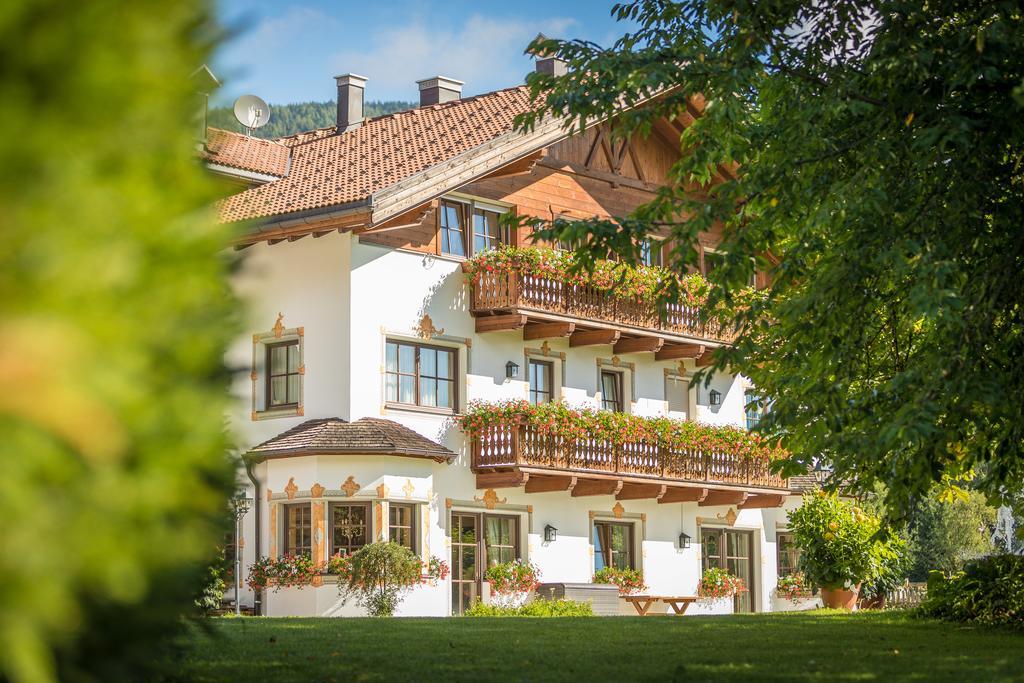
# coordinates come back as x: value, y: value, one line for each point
x: 805, y: 482
x: 246, y: 153
x: 328, y: 169
x: 367, y: 435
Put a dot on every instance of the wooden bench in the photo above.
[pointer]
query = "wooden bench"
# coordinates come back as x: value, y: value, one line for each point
x: 643, y: 603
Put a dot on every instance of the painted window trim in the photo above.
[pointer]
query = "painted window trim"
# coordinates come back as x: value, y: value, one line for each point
x: 259, y: 370
x: 557, y: 359
x: 628, y: 384
x: 463, y: 367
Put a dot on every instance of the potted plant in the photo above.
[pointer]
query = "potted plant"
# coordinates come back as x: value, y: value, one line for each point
x: 511, y: 583
x: 628, y: 581
x: 839, y: 546
x: 793, y: 592
x: 716, y: 590
x: 893, y: 565
x: 379, y: 575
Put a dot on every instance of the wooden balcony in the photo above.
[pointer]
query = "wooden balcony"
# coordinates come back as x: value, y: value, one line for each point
x: 510, y: 455
x: 508, y: 299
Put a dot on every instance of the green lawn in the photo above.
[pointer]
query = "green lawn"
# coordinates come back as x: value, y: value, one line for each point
x: 821, y: 646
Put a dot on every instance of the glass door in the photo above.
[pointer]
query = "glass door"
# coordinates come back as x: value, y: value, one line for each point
x: 732, y: 550
x: 465, y: 568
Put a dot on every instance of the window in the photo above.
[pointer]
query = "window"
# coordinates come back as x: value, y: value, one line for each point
x: 541, y: 373
x: 500, y: 536
x: 677, y: 395
x: 753, y: 409
x: 788, y: 553
x: 298, y: 529
x: 350, y: 527
x: 713, y: 260
x: 613, y: 545
x: 416, y: 374
x: 487, y: 233
x: 283, y: 374
x: 402, y: 524
x: 611, y: 391
x: 453, y: 231
x: 650, y: 252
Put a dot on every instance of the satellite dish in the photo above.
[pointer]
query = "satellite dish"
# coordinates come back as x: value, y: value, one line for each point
x: 251, y: 112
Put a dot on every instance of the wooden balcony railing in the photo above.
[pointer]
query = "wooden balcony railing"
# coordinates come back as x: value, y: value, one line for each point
x: 507, y: 290
x: 523, y: 445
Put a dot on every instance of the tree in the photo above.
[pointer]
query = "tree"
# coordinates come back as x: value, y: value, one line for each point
x: 114, y: 315
x: 946, y: 533
x: 867, y: 154
x: 379, y: 574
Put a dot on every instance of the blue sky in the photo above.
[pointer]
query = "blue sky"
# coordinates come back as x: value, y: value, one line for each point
x: 290, y: 51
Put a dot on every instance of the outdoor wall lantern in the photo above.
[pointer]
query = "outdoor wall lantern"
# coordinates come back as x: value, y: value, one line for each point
x: 684, y: 540
x: 715, y: 398
x: 550, y: 533
x: 511, y: 370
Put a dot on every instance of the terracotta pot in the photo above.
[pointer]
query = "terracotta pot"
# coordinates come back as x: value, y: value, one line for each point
x: 839, y: 598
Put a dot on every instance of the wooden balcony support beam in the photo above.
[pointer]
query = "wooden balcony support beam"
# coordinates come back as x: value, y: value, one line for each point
x: 763, y: 501
x: 547, y: 330
x: 501, y: 480
x: 677, y: 494
x: 638, y: 345
x: 677, y: 351
x: 546, y: 484
x: 596, y: 487
x: 706, y: 358
x: 639, y: 491
x: 592, y: 337
x: 499, y: 323
x: 724, y: 498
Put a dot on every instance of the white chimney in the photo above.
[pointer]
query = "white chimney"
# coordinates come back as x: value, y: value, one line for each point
x: 438, y: 90
x: 350, y: 101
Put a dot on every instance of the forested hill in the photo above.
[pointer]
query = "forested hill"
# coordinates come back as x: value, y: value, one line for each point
x: 297, y: 117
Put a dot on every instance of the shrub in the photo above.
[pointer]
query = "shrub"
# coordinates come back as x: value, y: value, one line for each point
x: 989, y: 591
x: 535, y: 608
x: 629, y: 581
x: 893, y: 565
x: 379, y: 574
x: 947, y: 532
x: 719, y: 583
x: 793, y: 587
x: 115, y: 317
x: 838, y: 543
x: 211, y: 596
x: 512, y: 577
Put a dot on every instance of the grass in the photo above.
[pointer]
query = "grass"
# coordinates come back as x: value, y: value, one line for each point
x: 818, y: 646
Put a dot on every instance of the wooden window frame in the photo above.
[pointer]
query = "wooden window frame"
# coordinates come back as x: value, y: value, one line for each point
x: 549, y: 372
x: 619, y: 402
x: 467, y: 208
x: 286, y: 516
x: 368, y: 533
x: 516, y: 550
x: 413, y: 517
x: 268, y: 395
x: 748, y: 397
x: 655, y: 251
x: 454, y: 353
x: 779, y: 536
x: 606, y: 550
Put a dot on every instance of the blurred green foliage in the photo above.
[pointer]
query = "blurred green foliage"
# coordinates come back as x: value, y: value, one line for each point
x: 114, y: 316
x: 298, y: 117
x: 946, y: 533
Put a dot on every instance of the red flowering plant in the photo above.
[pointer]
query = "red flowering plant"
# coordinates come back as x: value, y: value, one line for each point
x: 719, y: 583
x: 629, y: 581
x: 283, y: 572
x: 649, y: 284
x: 571, y: 424
x: 513, y: 577
x: 794, y: 587
x: 435, y: 569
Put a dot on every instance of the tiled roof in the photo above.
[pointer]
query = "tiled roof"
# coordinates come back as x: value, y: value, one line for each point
x: 249, y: 154
x: 805, y: 482
x: 368, y: 435
x: 329, y: 169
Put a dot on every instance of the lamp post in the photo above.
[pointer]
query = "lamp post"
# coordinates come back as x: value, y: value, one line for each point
x: 240, y: 505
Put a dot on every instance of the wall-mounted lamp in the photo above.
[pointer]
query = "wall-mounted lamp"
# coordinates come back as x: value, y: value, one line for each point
x: 715, y: 398
x: 684, y: 540
x: 511, y: 370
x: 550, y: 533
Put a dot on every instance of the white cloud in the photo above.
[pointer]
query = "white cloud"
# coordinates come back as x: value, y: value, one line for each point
x: 485, y: 52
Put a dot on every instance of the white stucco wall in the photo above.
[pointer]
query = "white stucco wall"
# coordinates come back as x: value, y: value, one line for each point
x: 349, y: 297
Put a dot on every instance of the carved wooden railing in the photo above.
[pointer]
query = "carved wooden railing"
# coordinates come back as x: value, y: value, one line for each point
x: 510, y: 289
x: 523, y: 445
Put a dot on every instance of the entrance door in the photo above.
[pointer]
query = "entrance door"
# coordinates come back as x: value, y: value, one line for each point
x: 479, y: 541
x: 465, y: 568
x: 733, y: 550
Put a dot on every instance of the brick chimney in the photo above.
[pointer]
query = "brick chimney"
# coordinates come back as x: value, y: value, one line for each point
x: 350, y: 101
x: 438, y: 90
